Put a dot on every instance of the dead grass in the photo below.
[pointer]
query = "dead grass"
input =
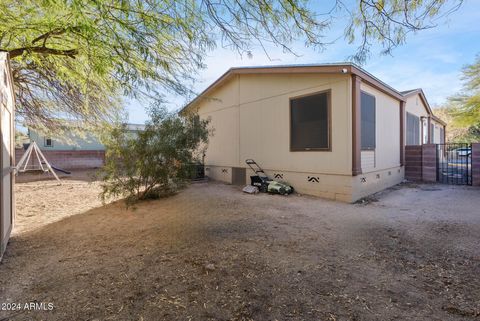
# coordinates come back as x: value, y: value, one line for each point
x: 214, y: 253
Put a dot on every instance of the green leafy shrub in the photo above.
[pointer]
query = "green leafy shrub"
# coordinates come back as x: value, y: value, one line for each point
x: 155, y: 162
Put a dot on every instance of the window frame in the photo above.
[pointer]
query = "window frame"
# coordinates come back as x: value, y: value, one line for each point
x: 419, y: 122
x: 329, y: 122
x: 375, y: 108
x: 432, y: 133
x: 45, y: 142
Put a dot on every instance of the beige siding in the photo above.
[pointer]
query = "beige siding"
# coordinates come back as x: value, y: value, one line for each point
x: 387, y: 151
x: 250, y: 115
x: 259, y: 126
x: 223, y: 146
x: 415, y: 106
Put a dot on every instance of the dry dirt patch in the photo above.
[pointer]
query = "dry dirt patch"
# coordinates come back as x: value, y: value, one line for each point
x: 213, y: 253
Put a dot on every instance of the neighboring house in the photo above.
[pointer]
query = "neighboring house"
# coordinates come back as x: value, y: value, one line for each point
x: 422, y: 126
x: 71, y: 141
x: 72, y: 151
x: 330, y: 130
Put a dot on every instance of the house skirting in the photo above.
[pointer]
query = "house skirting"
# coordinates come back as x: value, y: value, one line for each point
x: 70, y: 159
x: 345, y: 188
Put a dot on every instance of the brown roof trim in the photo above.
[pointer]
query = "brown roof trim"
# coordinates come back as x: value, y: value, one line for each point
x: 377, y: 83
x: 341, y: 68
x: 411, y: 92
x: 438, y: 120
x: 420, y: 92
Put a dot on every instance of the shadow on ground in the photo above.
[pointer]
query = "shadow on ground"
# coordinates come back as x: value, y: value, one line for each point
x: 213, y: 253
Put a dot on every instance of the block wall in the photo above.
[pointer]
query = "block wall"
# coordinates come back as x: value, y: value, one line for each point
x: 429, y: 163
x: 476, y: 164
x: 78, y: 159
x: 413, y: 162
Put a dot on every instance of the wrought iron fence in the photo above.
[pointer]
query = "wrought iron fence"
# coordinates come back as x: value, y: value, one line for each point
x: 454, y: 163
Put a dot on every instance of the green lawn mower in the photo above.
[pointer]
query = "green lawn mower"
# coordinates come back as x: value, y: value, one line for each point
x: 264, y: 183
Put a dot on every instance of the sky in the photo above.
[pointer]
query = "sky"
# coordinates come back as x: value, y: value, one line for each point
x: 431, y: 59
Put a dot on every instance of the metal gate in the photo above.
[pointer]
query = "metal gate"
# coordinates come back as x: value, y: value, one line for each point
x: 7, y: 152
x: 454, y: 163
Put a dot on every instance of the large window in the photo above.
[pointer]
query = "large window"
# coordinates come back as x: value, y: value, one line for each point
x: 368, y: 121
x: 310, y: 122
x: 413, y: 129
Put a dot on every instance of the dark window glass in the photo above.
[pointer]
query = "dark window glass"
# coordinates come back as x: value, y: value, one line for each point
x: 368, y: 121
x: 442, y: 136
x: 48, y: 142
x: 432, y: 131
x: 309, y: 125
x: 413, y: 129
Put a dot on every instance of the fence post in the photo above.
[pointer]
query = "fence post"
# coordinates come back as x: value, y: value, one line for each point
x: 429, y: 162
x: 476, y: 164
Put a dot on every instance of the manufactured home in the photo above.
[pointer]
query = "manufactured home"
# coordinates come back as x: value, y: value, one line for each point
x: 422, y: 126
x: 7, y: 155
x: 331, y: 130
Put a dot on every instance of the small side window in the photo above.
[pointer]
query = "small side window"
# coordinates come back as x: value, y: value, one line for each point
x: 367, y: 106
x: 48, y: 142
x: 413, y: 129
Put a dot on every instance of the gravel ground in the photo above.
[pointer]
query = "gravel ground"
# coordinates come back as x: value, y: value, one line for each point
x: 214, y: 253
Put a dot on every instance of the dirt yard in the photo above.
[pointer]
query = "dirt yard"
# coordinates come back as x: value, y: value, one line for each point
x: 213, y: 253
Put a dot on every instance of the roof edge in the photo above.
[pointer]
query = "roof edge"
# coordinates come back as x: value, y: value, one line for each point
x: 333, y: 68
x: 419, y: 91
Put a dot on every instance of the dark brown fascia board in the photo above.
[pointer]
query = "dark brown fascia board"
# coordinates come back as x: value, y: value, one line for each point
x: 408, y: 93
x: 420, y: 92
x: 376, y: 83
x: 438, y: 120
x: 319, y: 69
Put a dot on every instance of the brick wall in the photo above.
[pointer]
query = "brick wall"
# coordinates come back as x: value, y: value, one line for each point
x: 76, y: 159
x: 413, y: 163
x: 476, y: 164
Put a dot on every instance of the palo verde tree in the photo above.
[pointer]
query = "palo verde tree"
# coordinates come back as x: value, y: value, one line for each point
x: 74, y: 59
x: 462, y: 111
x: 467, y: 101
